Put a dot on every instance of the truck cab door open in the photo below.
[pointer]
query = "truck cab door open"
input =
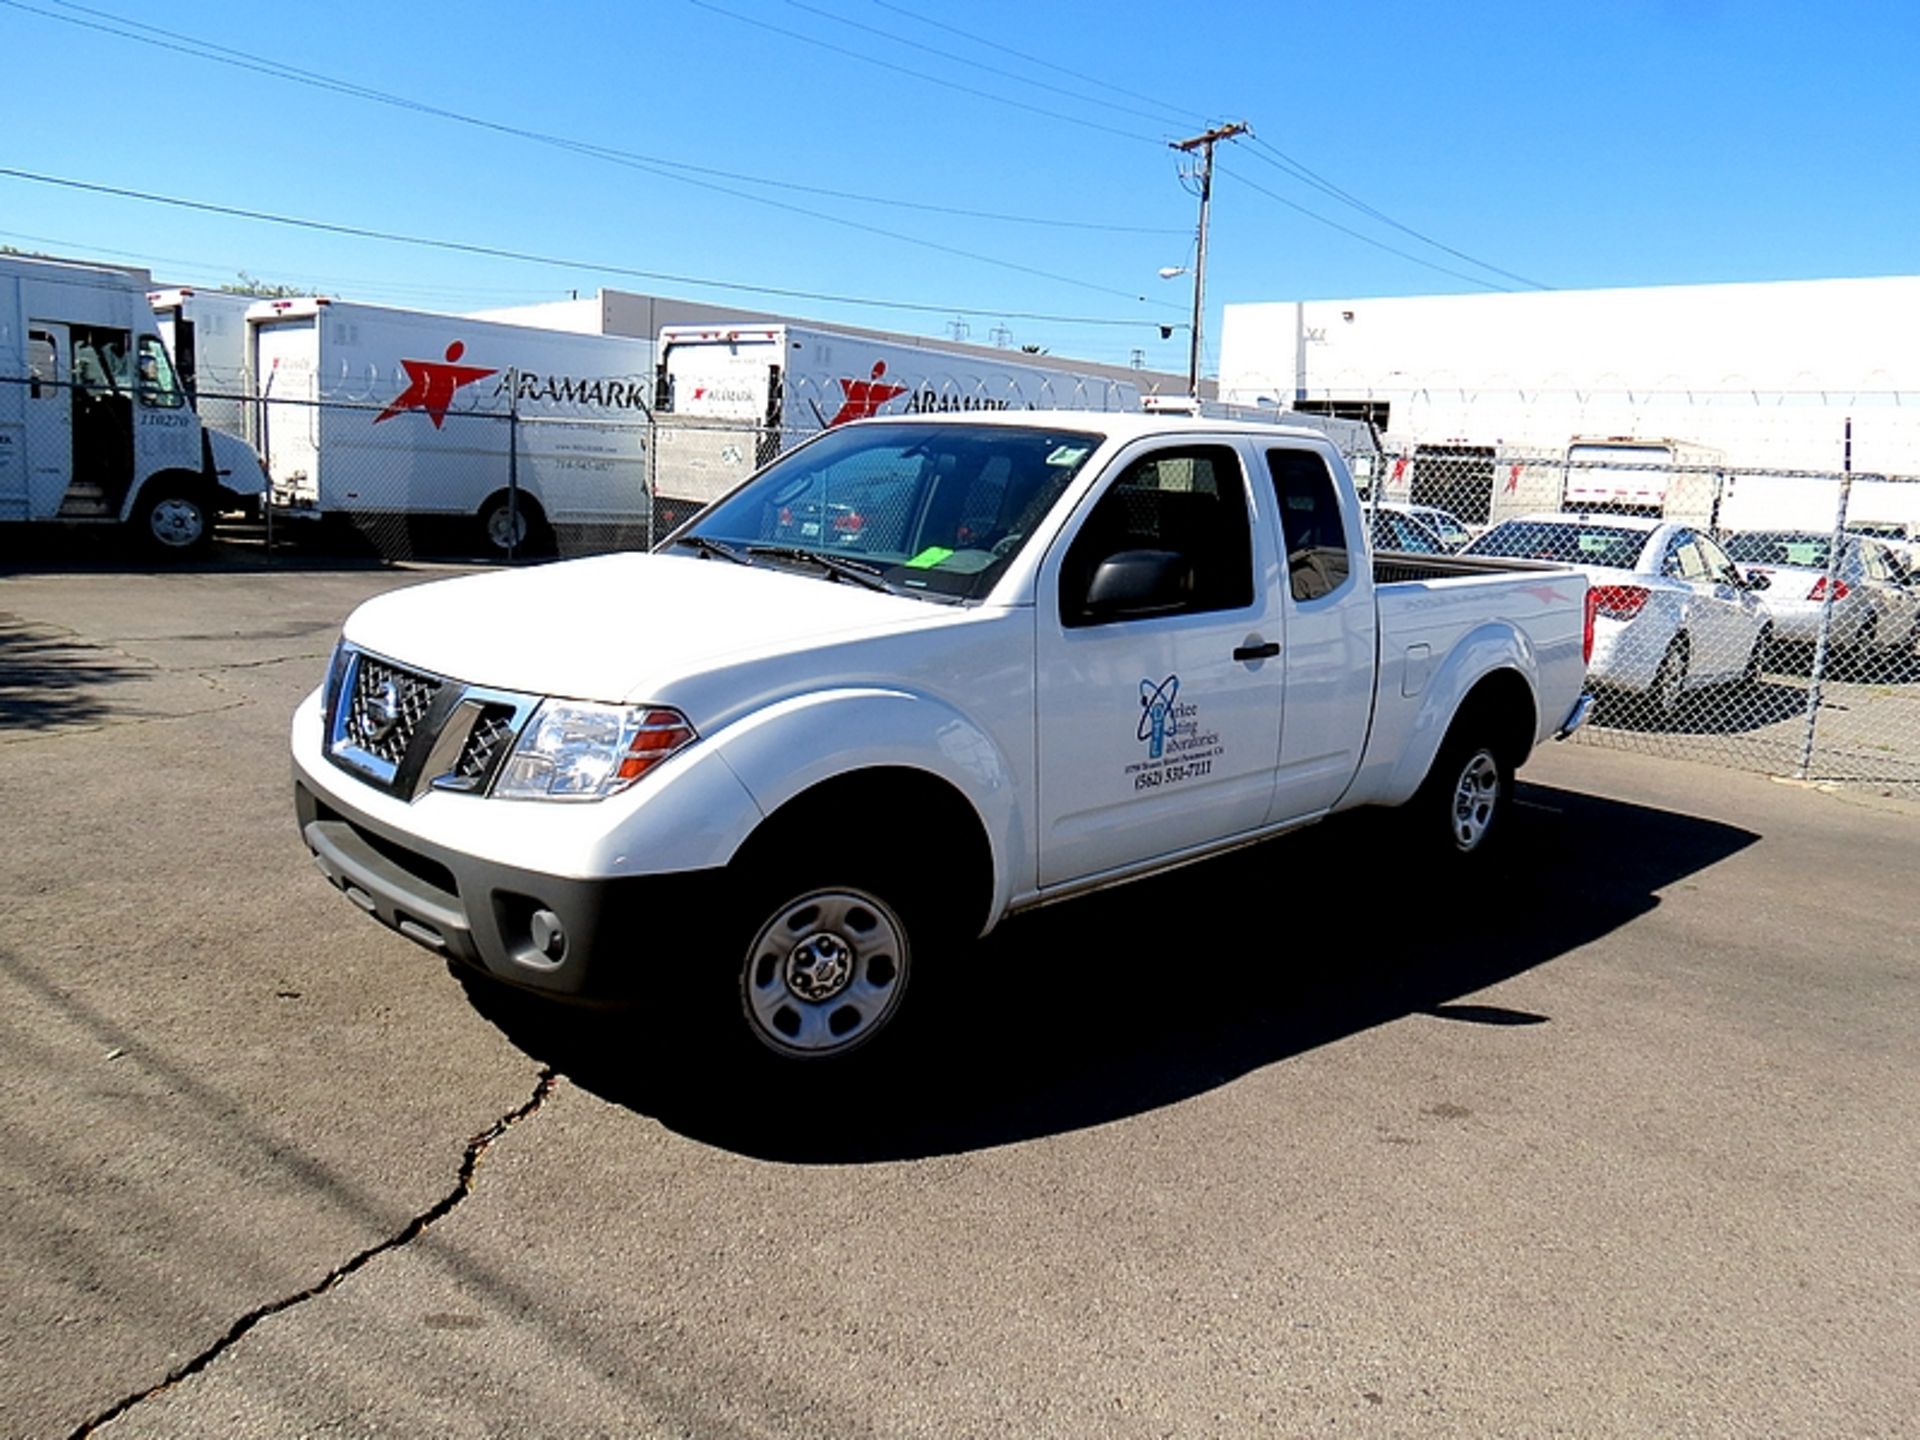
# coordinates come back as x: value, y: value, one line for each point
x: 47, y: 467
x: 1159, y: 699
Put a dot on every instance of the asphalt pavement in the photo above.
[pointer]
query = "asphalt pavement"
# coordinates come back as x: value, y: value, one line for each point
x: 1616, y: 1139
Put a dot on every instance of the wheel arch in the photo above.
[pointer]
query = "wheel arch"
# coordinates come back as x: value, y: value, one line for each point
x: 946, y: 825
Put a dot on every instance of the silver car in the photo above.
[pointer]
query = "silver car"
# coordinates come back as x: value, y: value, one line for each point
x: 1671, y: 610
x: 1875, y: 608
x: 1451, y: 530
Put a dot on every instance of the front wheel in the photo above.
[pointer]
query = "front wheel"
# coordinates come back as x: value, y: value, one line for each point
x: 1757, y: 658
x: 174, y: 519
x: 1668, y: 687
x: 828, y: 963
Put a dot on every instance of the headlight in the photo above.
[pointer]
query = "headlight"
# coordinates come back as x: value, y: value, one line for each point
x: 576, y: 750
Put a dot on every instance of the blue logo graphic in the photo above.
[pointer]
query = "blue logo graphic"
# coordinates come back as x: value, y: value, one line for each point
x: 1156, y: 713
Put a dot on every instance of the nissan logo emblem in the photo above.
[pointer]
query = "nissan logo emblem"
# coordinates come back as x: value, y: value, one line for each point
x: 383, y: 711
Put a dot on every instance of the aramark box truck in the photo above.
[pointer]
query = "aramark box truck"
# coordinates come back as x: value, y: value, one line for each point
x: 745, y: 393
x: 368, y: 411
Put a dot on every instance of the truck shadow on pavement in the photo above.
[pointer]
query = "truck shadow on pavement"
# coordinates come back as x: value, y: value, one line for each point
x: 1146, y: 995
x: 50, y: 678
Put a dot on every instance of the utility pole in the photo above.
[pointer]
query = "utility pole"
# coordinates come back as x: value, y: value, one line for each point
x: 1204, y: 144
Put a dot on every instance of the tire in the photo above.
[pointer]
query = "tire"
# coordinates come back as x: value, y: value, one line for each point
x: 500, y: 539
x: 825, y: 958
x: 1460, y: 810
x: 1857, y: 661
x: 1669, y: 685
x: 1757, y: 660
x: 174, y: 518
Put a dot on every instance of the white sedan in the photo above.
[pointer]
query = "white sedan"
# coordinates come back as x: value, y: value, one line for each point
x: 1672, y: 612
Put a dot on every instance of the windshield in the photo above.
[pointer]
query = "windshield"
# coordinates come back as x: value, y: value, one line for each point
x: 1444, y: 524
x: 1568, y: 542
x: 936, y: 510
x: 1780, y: 547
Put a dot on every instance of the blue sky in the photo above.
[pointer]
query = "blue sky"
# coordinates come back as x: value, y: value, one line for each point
x: 1639, y: 142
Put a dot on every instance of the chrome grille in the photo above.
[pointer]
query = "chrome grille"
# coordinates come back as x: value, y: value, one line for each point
x: 486, y: 742
x: 385, y: 708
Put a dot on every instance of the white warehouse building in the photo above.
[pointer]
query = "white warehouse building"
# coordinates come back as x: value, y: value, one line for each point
x: 1761, y: 376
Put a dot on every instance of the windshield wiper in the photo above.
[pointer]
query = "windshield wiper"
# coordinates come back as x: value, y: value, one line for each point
x: 711, y: 547
x: 834, y: 565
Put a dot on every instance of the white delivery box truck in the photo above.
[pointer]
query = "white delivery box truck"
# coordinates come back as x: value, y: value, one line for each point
x: 206, y: 334
x: 95, y: 426
x: 732, y: 397
x: 1627, y: 475
x: 367, y: 411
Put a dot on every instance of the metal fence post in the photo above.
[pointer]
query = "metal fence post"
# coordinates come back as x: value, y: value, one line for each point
x: 650, y: 476
x: 513, y: 464
x: 1823, y: 646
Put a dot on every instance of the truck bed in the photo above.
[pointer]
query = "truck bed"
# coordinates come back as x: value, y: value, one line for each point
x: 1391, y: 567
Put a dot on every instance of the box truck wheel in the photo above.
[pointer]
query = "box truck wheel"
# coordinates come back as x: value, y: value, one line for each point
x: 174, y: 516
x: 521, y: 526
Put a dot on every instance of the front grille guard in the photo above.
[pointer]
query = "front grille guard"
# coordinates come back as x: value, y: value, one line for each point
x: 426, y: 732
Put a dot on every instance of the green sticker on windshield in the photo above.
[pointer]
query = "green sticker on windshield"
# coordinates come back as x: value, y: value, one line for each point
x: 929, y: 557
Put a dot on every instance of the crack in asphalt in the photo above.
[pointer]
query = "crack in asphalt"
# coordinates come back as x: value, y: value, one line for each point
x: 477, y: 1148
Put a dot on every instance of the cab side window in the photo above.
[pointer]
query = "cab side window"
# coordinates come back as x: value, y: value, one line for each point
x: 1172, y: 532
x: 1719, y: 564
x: 1316, y: 537
x: 155, y: 382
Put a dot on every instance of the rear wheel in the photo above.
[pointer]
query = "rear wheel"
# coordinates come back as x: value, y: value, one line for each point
x: 1461, y: 808
x: 516, y: 527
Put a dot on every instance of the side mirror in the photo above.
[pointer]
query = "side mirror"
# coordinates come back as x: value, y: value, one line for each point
x: 1137, y: 583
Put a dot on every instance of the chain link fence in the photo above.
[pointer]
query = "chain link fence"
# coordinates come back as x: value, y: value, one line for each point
x: 1771, y: 625
x: 1764, y: 619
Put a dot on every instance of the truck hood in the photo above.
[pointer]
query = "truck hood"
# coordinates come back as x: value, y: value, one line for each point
x: 617, y: 627
x: 235, y: 466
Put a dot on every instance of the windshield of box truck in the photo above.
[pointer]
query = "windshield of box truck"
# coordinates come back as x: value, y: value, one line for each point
x: 937, y: 511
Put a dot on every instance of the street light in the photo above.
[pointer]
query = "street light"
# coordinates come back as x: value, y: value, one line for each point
x: 1174, y: 272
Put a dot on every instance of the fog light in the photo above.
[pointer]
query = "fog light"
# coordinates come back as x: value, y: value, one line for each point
x: 549, y: 935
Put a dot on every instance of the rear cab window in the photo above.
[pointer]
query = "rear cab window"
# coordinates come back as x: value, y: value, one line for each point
x: 1319, y: 562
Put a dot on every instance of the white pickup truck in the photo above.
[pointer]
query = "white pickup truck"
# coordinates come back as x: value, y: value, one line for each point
x: 913, y: 677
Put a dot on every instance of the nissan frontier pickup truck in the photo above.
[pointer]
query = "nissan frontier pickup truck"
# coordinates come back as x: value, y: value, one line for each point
x: 913, y: 677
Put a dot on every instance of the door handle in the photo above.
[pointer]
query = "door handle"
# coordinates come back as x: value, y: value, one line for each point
x: 1257, y: 652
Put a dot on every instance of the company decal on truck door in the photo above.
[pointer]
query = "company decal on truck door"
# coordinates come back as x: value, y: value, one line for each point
x: 1177, y: 749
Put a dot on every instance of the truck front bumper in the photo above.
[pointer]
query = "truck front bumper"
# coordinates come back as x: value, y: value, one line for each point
x: 577, y: 939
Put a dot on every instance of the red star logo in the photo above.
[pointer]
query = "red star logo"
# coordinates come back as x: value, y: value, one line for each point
x: 865, y: 397
x: 1513, y: 480
x: 432, y: 385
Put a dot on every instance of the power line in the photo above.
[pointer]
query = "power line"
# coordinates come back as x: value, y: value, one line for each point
x: 1357, y: 235
x: 920, y: 74
x: 875, y: 34
x: 1185, y: 120
x: 528, y: 257
x: 184, y: 44
x: 1287, y: 165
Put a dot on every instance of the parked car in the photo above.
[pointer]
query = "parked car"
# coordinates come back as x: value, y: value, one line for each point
x: 1449, y: 527
x: 1395, y: 529
x: 1875, y: 606
x: 1902, y: 537
x: 1672, y: 611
